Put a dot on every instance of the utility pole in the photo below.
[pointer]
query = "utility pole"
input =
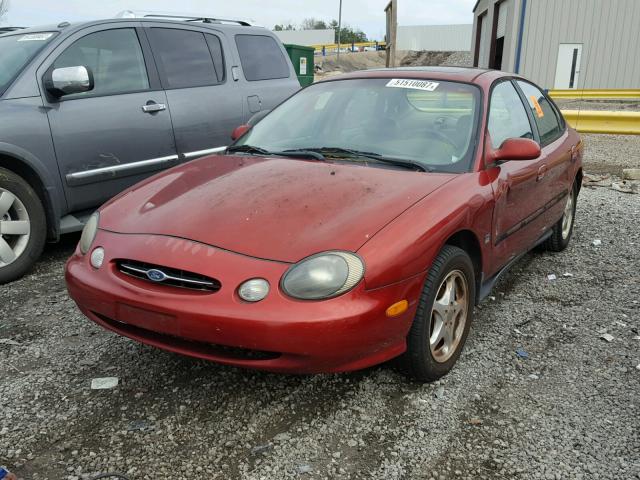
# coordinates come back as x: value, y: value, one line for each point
x: 392, y: 29
x: 339, y: 31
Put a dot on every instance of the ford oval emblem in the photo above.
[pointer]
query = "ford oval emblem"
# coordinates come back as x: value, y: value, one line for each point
x: 156, y: 275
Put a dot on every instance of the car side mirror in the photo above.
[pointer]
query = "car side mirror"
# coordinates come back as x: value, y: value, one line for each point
x: 240, y: 131
x: 69, y: 80
x: 516, y: 149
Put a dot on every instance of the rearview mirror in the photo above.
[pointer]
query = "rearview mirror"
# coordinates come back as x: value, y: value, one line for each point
x: 240, y: 131
x: 516, y: 149
x: 69, y: 80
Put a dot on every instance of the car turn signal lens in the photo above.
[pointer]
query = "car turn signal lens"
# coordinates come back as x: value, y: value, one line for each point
x: 397, y: 308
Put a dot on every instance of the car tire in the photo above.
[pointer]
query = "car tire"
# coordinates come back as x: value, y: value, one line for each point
x: 563, y: 229
x: 442, y: 323
x: 23, y: 227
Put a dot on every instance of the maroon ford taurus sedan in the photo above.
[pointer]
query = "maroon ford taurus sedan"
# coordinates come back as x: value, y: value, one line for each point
x: 359, y: 221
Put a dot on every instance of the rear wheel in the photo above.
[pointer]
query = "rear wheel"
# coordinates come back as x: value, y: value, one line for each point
x: 443, y: 318
x: 563, y: 229
x: 22, y: 226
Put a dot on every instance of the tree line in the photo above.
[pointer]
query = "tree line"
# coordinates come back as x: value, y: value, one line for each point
x: 347, y: 33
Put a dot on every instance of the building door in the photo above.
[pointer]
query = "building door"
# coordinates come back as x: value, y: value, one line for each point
x: 568, y: 68
x: 482, y: 42
x: 501, y: 29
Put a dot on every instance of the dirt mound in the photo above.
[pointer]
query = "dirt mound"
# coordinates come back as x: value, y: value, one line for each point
x: 351, y: 62
x: 424, y: 59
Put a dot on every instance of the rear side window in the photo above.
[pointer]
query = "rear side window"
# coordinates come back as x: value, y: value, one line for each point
x: 261, y: 58
x: 184, y: 57
x: 114, y: 57
x: 545, y: 116
x: 507, y: 115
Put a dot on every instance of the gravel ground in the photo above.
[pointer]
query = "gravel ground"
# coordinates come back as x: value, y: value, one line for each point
x: 570, y: 410
x: 611, y: 153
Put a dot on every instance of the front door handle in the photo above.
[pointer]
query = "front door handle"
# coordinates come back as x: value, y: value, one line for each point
x: 152, y: 107
x: 542, y: 171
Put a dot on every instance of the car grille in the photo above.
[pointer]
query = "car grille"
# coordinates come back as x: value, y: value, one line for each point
x: 168, y: 276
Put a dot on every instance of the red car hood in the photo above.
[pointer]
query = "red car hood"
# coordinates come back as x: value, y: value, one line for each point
x: 273, y: 208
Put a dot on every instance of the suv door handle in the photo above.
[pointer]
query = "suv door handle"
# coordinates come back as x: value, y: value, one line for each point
x: 153, y: 107
x: 542, y: 171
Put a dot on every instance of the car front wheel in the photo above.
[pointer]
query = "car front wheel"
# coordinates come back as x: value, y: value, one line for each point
x: 443, y: 318
x: 22, y: 226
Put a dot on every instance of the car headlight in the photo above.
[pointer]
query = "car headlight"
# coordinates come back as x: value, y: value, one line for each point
x: 324, y: 275
x: 89, y: 233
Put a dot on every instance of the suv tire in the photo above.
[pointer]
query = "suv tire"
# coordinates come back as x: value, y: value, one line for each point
x: 23, y: 227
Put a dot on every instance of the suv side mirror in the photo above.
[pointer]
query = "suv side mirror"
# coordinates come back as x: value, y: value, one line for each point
x: 516, y: 149
x: 240, y: 131
x: 69, y: 80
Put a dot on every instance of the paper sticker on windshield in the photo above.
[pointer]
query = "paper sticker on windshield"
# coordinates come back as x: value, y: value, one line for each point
x: 35, y: 37
x: 413, y: 84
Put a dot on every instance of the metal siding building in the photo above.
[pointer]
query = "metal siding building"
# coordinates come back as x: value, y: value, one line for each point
x: 436, y: 38
x: 577, y: 44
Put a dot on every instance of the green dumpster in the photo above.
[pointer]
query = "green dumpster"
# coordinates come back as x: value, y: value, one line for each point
x: 302, y: 59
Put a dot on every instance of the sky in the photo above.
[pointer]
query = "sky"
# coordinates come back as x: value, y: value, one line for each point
x: 368, y: 15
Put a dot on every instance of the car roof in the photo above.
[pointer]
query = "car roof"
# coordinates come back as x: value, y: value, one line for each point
x: 66, y: 26
x: 459, y: 74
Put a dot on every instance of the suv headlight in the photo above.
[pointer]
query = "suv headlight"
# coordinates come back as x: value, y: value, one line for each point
x: 89, y: 233
x: 324, y: 275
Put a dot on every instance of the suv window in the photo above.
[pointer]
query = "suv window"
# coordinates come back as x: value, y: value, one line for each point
x: 261, y: 58
x: 114, y: 57
x: 544, y: 114
x: 507, y: 115
x: 184, y: 57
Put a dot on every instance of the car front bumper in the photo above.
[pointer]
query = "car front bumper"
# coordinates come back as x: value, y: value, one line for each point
x: 277, y: 334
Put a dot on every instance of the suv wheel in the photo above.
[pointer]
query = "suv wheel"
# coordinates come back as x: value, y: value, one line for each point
x: 443, y: 318
x: 22, y: 226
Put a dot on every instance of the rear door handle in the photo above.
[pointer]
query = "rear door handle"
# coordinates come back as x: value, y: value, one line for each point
x: 153, y: 107
x: 542, y: 171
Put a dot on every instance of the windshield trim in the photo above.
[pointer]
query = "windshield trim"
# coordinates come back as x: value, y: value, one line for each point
x: 17, y: 33
x: 477, y: 123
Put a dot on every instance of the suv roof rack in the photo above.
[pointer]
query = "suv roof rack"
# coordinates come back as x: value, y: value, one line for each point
x: 184, y: 18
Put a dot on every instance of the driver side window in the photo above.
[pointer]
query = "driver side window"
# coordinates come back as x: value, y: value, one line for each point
x: 507, y: 116
x: 115, y: 58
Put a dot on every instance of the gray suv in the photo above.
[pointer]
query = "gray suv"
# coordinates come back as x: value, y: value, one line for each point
x: 89, y: 109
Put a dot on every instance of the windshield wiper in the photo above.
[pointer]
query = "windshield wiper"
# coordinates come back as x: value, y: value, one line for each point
x: 340, y: 152
x: 247, y: 149
x: 287, y: 153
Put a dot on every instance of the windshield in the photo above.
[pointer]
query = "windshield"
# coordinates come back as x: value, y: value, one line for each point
x: 16, y: 51
x: 430, y: 123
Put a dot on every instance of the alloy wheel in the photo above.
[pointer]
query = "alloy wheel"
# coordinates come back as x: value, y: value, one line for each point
x: 15, y: 227
x: 567, y: 218
x: 448, y: 316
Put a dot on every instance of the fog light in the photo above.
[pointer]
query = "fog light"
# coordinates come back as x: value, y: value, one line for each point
x: 97, y: 257
x: 254, y: 290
